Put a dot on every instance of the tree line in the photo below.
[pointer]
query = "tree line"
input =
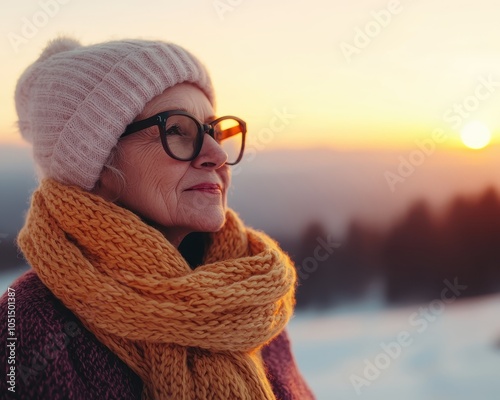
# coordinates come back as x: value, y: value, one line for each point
x: 411, y: 259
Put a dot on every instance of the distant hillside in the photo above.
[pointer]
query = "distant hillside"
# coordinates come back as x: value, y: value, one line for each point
x: 282, y: 191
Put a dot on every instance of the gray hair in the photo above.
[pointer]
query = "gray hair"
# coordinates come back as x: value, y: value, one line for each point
x: 111, y: 168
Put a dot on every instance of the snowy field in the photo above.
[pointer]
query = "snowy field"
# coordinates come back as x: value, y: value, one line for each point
x: 449, y: 353
x: 433, y: 351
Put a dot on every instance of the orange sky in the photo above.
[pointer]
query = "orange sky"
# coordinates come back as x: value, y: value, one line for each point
x: 347, y: 75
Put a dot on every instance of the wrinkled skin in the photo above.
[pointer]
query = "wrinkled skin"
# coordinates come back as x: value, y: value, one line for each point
x: 157, y: 186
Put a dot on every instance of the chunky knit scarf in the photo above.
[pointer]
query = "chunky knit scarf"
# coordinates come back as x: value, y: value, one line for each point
x: 187, y: 334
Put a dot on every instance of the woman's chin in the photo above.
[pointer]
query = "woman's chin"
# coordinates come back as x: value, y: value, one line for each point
x: 213, y: 220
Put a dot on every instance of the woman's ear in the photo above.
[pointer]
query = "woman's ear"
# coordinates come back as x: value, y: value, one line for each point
x: 111, y: 183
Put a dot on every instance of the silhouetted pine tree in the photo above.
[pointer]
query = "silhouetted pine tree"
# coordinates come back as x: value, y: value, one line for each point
x: 318, y: 277
x: 472, y: 245
x: 412, y: 257
x: 359, y: 259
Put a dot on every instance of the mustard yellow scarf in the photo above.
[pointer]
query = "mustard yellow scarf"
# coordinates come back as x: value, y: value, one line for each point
x: 189, y: 334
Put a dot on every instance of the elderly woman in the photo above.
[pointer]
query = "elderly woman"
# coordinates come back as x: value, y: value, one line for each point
x: 144, y: 283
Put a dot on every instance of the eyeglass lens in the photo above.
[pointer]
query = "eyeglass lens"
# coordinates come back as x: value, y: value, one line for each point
x: 183, y: 139
x: 230, y: 136
x: 181, y: 136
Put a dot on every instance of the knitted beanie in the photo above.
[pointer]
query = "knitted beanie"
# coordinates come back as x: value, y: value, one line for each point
x: 75, y: 101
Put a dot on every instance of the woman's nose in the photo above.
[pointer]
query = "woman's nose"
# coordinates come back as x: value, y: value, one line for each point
x: 211, y: 154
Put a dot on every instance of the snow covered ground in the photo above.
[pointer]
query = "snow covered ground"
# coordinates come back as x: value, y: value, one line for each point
x: 444, y: 352
x: 7, y: 277
x: 432, y: 351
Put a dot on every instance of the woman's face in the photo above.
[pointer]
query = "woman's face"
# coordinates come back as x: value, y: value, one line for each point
x: 173, y: 195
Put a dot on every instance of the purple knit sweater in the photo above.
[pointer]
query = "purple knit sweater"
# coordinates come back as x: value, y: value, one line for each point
x: 57, y: 358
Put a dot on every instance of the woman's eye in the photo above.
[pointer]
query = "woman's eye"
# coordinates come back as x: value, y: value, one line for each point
x: 175, y: 130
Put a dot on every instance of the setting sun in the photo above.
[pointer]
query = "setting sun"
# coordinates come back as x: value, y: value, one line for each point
x: 476, y: 135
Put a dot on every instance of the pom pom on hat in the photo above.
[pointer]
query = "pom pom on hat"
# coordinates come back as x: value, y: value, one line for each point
x: 75, y: 101
x: 58, y: 46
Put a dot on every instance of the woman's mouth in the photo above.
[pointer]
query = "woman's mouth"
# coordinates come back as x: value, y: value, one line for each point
x: 212, y: 188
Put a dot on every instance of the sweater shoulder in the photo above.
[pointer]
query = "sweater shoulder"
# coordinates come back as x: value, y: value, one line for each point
x: 282, y: 370
x: 54, y: 355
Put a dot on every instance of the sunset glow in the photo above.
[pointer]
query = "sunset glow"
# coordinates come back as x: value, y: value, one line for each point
x: 371, y: 157
x: 358, y: 75
x: 476, y: 135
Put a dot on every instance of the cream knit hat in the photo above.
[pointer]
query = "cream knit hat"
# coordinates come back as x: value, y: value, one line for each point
x: 75, y: 101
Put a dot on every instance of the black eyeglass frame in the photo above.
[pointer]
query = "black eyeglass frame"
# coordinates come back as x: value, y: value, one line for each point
x: 160, y: 120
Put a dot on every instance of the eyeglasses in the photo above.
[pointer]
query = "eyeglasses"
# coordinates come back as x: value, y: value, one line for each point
x: 182, y: 134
